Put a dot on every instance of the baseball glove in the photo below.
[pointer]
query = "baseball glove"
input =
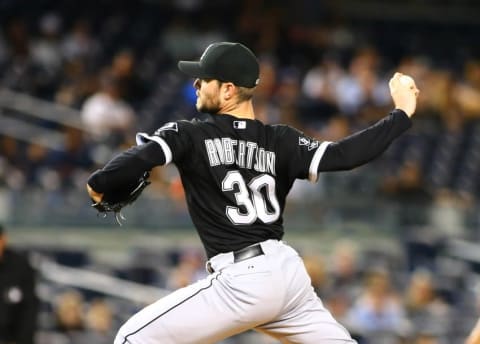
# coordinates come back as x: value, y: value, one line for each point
x: 115, y: 202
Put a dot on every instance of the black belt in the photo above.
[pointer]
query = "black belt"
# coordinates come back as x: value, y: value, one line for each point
x: 243, y: 254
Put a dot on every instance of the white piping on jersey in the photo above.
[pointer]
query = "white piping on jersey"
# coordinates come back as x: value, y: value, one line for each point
x: 142, y: 138
x: 317, y: 157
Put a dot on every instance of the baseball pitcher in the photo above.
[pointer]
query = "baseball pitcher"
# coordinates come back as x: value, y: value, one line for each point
x: 237, y: 172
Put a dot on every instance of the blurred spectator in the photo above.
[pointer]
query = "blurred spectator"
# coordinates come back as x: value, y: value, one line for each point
x: 22, y: 73
x: 11, y: 151
x: 361, y: 86
x: 378, y: 313
x: 18, y: 300
x: 46, y: 52
x: 346, y: 273
x: 318, y: 273
x: 467, y: 93
x: 447, y: 214
x: 408, y: 187
x: 178, y: 40
x: 99, y: 323
x: 338, y: 303
x: 124, y: 69
x: 77, y: 84
x: 69, y: 315
x: 335, y: 128
x: 46, y: 47
x: 428, y: 313
x: 79, y: 43
x: 75, y: 160
x: 319, y: 87
x: 268, y: 111
x: 106, y: 115
x: 190, y: 268
x: 36, y: 156
x: 287, y: 96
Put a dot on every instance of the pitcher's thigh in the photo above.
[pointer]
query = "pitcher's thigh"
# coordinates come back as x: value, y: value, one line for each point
x: 311, y: 323
x: 194, y: 314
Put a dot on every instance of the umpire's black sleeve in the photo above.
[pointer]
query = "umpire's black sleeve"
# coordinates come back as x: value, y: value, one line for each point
x: 124, y: 170
x: 366, y: 145
x: 26, y: 324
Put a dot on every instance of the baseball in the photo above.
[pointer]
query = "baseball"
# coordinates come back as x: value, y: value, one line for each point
x: 406, y: 80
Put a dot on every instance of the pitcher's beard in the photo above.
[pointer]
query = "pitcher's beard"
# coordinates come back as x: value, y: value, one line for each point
x: 212, y: 108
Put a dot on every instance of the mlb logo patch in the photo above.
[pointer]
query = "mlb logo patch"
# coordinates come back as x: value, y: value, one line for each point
x: 239, y: 124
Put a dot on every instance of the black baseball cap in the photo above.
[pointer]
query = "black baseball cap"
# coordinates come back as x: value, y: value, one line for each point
x: 225, y: 61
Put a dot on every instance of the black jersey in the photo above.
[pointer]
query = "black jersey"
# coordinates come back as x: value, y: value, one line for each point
x: 237, y: 172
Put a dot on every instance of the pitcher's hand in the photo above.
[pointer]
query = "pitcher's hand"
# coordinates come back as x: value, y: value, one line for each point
x: 404, y: 93
x: 95, y: 196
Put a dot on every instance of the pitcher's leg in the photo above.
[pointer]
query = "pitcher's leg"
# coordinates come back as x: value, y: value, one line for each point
x: 311, y: 325
x: 304, y: 319
x: 241, y: 296
x: 188, y: 315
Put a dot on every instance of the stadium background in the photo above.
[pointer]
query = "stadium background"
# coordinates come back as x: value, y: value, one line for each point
x: 78, y: 79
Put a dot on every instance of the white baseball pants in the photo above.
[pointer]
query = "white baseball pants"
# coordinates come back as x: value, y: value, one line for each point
x: 270, y: 293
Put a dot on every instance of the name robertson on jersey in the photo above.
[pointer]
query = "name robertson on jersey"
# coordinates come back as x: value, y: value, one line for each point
x: 245, y: 154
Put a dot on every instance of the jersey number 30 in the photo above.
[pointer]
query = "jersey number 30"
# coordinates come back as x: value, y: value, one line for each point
x: 252, y: 199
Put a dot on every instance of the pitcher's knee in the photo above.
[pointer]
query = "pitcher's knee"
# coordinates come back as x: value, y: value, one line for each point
x: 122, y: 337
x: 119, y: 339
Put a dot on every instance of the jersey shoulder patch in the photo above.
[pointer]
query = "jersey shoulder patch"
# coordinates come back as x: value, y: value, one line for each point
x: 293, y: 136
x: 310, y: 143
x: 175, y: 126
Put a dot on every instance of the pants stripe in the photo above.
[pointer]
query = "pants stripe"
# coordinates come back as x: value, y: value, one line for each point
x: 171, y: 308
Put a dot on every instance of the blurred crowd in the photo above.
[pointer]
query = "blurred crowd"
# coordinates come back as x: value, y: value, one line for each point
x: 115, y: 63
